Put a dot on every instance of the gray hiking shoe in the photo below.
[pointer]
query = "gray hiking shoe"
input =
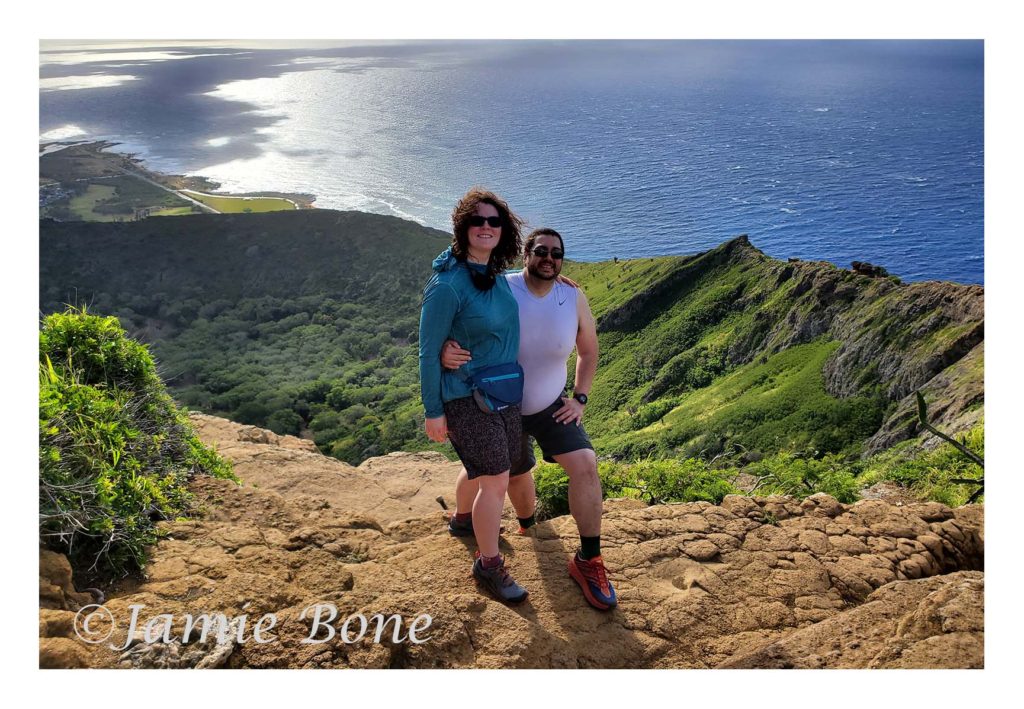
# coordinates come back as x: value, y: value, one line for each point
x: 499, y: 583
x: 460, y: 529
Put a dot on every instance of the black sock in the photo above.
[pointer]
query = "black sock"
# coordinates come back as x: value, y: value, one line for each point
x: 591, y: 547
x: 527, y: 522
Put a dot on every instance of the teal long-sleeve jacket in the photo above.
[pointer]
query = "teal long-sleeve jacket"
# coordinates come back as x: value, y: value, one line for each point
x: 484, y: 322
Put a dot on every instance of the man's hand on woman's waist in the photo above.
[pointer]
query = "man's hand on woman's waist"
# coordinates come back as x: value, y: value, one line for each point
x: 453, y: 356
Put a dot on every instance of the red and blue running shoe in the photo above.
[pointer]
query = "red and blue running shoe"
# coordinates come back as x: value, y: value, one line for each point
x: 593, y: 579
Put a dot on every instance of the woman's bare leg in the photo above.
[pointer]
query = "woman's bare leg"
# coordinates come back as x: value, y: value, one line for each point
x: 490, y: 500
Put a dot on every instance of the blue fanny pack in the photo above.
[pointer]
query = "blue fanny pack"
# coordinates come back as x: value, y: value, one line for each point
x: 497, y: 388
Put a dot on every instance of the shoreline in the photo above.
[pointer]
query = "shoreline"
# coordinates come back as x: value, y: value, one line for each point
x: 130, y: 162
x: 103, y: 151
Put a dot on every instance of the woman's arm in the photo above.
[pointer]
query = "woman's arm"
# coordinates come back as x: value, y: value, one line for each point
x: 440, y: 304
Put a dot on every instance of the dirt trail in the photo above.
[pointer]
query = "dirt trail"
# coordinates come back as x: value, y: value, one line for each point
x: 764, y: 582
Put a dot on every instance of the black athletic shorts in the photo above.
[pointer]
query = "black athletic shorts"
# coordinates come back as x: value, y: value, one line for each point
x: 554, y: 438
x: 487, y: 444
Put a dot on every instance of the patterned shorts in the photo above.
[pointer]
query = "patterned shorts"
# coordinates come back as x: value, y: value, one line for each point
x: 487, y: 444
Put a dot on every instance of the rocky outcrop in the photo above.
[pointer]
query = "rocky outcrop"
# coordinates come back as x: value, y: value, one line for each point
x: 699, y: 585
x: 393, y: 487
x: 56, y: 590
x: 895, y: 339
x: 936, y: 622
x: 905, y: 338
x: 955, y: 399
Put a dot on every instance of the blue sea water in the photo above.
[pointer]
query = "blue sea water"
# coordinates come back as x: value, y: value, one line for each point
x: 834, y: 150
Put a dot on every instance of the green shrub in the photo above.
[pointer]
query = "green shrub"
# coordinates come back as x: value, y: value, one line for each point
x: 930, y: 476
x: 285, y: 422
x: 655, y: 481
x: 552, y: 490
x: 652, y: 413
x: 115, y: 453
x: 787, y: 473
x: 686, y: 480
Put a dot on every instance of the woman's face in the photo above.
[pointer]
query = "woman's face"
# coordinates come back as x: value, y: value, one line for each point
x: 483, y: 239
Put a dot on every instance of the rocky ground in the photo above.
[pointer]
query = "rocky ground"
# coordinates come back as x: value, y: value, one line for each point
x: 754, y: 582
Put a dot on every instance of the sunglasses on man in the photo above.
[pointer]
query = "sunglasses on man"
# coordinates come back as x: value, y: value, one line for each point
x: 543, y: 251
x: 477, y: 220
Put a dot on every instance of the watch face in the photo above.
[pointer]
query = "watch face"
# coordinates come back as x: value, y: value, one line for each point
x: 582, y: 398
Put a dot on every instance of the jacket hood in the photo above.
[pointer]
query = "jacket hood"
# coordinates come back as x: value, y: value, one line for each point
x: 445, y: 261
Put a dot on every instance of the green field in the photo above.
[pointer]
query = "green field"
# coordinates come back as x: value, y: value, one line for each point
x: 233, y: 205
x: 171, y: 212
x: 82, y: 205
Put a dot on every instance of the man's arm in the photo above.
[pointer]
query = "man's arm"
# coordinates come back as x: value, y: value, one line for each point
x: 586, y: 346
x: 586, y: 361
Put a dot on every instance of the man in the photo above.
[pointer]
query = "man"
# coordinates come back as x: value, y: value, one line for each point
x: 554, y: 318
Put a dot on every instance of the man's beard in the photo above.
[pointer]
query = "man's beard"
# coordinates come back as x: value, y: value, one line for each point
x: 537, y: 274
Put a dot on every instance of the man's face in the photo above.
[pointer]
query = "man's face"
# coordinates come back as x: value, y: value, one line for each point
x: 545, y: 268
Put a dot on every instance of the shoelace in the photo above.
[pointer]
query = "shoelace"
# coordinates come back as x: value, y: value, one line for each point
x: 503, y: 577
x: 506, y: 580
x: 594, y: 572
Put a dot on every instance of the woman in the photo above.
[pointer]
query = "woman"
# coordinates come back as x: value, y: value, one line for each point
x: 465, y: 300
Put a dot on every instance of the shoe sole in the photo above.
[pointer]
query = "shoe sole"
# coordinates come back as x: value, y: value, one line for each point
x: 577, y: 576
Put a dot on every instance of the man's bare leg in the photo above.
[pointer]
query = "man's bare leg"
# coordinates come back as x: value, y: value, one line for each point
x: 522, y: 493
x: 584, y: 490
x: 586, y: 566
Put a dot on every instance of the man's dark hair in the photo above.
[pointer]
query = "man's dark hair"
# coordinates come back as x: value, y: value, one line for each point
x: 531, y: 238
x: 507, y: 250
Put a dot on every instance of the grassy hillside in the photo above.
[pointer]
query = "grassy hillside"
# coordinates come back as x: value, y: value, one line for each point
x: 731, y: 348
x: 307, y: 322
x: 292, y: 320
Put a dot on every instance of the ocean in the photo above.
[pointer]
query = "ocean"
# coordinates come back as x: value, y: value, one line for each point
x: 835, y: 150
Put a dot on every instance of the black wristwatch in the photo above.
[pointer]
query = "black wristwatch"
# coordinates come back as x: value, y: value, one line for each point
x: 582, y: 398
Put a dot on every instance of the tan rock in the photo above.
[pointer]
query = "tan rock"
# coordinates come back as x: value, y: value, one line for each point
x: 62, y: 654
x: 56, y: 623
x: 848, y: 544
x: 929, y: 623
x: 55, y: 587
x: 701, y: 550
x: 698, y: 585
x: 814, y: 541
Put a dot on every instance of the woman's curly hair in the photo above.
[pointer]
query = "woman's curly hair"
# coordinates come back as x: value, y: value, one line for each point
x: 505, y: 253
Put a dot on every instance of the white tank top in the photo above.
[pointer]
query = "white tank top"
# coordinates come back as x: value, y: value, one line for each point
x: 547, y: 336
